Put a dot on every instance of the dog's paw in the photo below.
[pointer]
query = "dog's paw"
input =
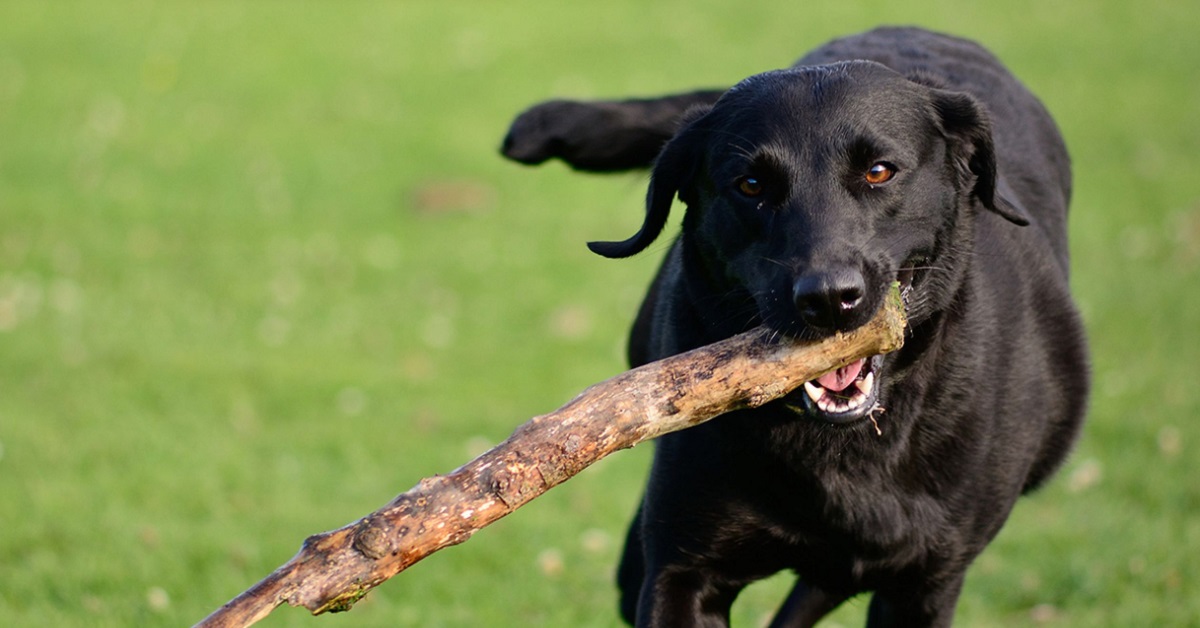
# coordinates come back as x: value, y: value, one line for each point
x: 596, y: 136
x: 555, y: 128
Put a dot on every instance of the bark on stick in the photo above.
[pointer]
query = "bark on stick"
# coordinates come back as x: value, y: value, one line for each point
x: 333, y: 570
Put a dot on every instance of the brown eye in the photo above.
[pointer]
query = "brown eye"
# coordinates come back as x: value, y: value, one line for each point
x: 750, y: 186
x: 880, y: 173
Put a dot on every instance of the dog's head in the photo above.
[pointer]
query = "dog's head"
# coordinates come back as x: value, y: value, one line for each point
x: 810, y: 190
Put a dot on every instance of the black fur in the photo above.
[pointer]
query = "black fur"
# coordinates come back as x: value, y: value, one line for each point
x: 899, y: 495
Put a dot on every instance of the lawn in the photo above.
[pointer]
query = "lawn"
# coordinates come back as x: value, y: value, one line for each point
x: 261, y: 269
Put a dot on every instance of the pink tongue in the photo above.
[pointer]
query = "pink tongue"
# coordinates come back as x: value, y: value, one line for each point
x: 838, y: 380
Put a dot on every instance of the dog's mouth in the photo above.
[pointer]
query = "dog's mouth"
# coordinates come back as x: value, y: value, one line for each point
x: 840, y: 396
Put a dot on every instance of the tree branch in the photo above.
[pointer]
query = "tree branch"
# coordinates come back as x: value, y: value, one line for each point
x: 335, y: 569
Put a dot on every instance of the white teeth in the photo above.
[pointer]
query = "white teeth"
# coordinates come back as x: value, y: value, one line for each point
x: 814, y: 391
x: 836, y: 403
x: 865, y: 384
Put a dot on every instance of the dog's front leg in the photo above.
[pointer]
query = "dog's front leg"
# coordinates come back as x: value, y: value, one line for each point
x: 805, y: 606
x: 925, y: 604
x: 684, y: 599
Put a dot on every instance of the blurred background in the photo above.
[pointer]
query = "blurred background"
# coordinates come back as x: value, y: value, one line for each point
x: 262, y: 269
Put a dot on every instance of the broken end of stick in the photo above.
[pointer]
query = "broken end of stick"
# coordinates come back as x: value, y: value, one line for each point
x: 894, y: 320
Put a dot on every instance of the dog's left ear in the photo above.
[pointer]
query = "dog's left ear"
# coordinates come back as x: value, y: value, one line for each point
x: 673, y: 171
x: 969, y: 133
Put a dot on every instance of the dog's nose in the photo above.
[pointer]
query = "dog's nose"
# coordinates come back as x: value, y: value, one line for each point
x: 830, y: 301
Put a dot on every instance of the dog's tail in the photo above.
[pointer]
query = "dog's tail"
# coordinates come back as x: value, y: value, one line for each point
x: 600, y: 136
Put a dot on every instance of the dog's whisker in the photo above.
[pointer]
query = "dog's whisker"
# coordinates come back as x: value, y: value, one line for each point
x: 779, y: 263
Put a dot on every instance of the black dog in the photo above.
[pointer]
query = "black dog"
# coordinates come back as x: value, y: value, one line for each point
x: 896, y: 155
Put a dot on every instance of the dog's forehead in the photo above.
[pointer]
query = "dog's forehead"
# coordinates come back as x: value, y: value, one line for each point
x: 852, y: 90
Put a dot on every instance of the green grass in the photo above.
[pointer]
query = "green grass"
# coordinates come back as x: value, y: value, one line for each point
x: 261, y: 269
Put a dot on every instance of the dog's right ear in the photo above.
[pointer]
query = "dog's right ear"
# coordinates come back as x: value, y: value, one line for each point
x: 969, y: 131
x: 673, y: 172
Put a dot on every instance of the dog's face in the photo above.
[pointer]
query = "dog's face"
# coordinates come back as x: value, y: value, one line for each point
x: 811, y: 190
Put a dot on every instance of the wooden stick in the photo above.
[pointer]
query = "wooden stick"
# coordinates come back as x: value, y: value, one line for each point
x: 335, y: 569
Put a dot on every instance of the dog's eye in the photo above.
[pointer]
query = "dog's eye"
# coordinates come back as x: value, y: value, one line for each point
x: 749, y: 186
x: 880, y: 173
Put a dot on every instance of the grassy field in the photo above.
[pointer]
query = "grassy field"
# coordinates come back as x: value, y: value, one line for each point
x: 261, y: 269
